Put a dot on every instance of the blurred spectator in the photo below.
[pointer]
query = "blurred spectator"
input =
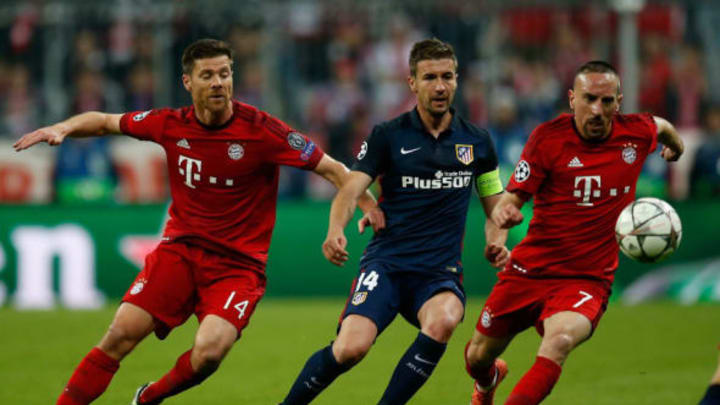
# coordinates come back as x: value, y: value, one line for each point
x: 87, y: 53
x: 140, y: 88
x: 536, y: 88
x: 343, y: 101
x: 568, y: 52
x: 655, y: 75
x: 705, y: 176
x: 247, y: 42
x: 689, y: 89
x: 708, y: 26
x: 506, y: 129
x: 144, y: 46
x: 84, y: 171
x: 20, y: 103
x: 473, y: 92
x: 249, y: 89
x: 333, y: 69
x: 388, y: 66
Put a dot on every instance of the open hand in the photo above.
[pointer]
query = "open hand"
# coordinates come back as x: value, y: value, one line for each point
x: 52, y: 135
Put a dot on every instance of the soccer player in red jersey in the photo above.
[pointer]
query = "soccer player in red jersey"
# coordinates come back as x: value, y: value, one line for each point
x: 581, y: 170
x: 223, y: 161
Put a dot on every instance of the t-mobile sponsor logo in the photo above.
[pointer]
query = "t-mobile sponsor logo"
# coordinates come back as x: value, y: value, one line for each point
x: 586, y: 190
x: 190, y: 168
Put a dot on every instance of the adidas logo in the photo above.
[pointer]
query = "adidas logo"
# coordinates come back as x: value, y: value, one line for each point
x: 575, y: 162
x: 183, y: 143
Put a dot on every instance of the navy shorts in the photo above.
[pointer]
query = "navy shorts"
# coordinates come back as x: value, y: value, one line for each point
x: 379, y: 294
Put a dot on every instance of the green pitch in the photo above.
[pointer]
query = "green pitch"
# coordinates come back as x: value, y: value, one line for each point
x: 650, y: 354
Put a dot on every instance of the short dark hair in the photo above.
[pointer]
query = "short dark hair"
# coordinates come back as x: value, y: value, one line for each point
x: 598, y: 66
x: 202, y: 49
x: 429, y: 49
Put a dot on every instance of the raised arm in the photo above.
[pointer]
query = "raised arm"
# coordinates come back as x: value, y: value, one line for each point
x: 673, y: 146
x: 82, y: 125
x: 342, y: 209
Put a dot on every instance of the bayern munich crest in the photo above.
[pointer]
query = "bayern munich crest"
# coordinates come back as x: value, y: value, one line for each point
x: 629, y: 153
x: 522, y: 171
x: 464, y: 153
x: 236, y: 151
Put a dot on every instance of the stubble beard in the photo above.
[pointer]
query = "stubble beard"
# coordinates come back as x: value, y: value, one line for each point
x: 596, y: 133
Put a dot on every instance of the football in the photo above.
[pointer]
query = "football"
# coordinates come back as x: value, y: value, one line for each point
x: 648, y: 230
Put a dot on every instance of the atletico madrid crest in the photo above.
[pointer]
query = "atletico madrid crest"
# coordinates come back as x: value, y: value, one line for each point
x: 464, y: 153
x: 359, y: 298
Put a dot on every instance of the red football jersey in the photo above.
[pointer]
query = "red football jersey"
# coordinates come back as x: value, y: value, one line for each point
x: 579, y: 189
x: 224, y: 180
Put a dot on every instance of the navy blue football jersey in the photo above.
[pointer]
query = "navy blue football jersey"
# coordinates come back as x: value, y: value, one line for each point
x: 426, y: 186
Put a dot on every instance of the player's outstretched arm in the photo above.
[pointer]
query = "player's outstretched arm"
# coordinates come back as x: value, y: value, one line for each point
x: 338, y: 174
x: 86, y: 124
x: 341, y: 210
x: 673, y: 146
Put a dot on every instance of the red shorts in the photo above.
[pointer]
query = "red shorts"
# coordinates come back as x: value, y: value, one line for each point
x: 517, y: 303
x: 179, y: 280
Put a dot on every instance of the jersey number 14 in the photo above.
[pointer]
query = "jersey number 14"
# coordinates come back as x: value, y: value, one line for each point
x: 369, y: 280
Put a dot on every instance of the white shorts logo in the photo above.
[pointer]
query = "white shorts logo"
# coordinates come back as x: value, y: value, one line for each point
x: 363, y: 151
x: 522, y: 171
x: 137, y: 288
x: 486, y: 318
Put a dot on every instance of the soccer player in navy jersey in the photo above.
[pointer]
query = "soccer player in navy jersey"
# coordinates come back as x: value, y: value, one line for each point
x: 712, y: 394
x: 581, y: 169
x: 427, y: 160
x: 223, y: 161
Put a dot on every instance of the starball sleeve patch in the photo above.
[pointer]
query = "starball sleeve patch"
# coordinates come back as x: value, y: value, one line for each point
x: 522, y: 171
x: 296, y: 141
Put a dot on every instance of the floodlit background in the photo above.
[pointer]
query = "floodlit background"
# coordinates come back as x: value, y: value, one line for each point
x: 77, y: 220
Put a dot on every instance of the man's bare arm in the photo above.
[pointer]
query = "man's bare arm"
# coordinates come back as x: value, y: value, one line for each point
x: 82, y: 125
x: 341, y: 211
x: 669, y: 137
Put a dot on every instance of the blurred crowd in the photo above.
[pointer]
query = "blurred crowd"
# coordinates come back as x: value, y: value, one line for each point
x: 334, y: 69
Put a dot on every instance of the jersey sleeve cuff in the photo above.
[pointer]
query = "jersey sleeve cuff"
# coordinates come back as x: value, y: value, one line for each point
x: 315, y: 159
x: 124, y: 123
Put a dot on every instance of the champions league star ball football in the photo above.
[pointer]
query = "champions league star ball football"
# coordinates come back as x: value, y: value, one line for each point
x: 648, y: 230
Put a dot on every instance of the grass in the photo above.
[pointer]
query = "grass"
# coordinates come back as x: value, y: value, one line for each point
x: 658, y: 353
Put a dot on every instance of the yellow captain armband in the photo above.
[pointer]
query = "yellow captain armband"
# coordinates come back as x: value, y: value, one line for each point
x: 489, y: 183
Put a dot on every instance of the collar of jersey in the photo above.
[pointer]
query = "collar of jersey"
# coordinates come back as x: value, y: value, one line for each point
x: 418, y: 124
x: 215, y: 127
